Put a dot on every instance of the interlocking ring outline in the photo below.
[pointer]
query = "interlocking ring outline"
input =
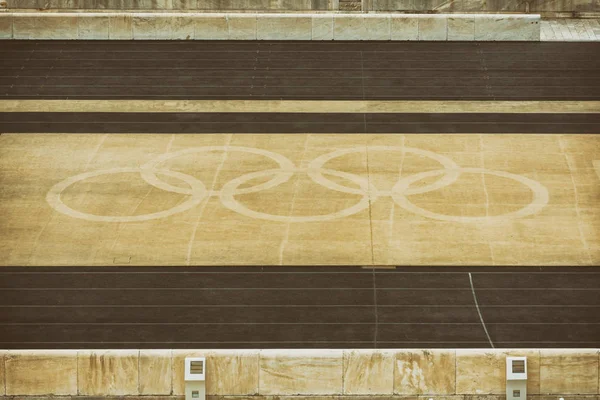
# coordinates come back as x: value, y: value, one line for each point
x: 316, y: 171
x: 53, y: 197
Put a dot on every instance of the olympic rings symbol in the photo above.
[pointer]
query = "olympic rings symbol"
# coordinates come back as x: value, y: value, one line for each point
x: 197, y: 191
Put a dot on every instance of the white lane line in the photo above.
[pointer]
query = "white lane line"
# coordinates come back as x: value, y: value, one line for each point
x: 479, y: 311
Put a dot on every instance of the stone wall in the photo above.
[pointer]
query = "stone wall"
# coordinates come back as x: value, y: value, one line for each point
x: 262, y: 374
x: 208, y: 5
x: 268, y: 26
x: 450, y: 6
x: 441, y: 6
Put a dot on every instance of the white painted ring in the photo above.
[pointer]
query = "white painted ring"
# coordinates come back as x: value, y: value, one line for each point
x: 149, y: 175
x: 317, y: 166
x: 197, y: 189
x: 540, y: 199
x: 230, y: 189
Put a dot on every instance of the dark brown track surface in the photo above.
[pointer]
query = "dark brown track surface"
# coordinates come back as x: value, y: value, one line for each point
x: 73, y: 122
x: 299, y: 70
x: 296, y: 307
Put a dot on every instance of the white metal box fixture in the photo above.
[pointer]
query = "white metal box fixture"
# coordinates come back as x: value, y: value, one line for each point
x: 516, y: 378
x: 195, y: 377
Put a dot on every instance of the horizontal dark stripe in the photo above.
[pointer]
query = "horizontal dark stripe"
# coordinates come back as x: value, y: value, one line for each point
x: 156, y: 81
x: 201, y: 297
x: 297, y: 123
x: 254, y: 307
x: 165, y: 333
x: 299, y: 70
x: 529, y: 280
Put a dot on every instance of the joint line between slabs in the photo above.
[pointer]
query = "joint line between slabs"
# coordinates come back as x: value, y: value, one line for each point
x: 479, y: 311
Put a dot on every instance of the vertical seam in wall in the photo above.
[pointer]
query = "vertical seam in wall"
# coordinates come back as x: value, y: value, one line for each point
x: 138, y: 369
x: 258, y: 372
x: 171, y: 369
x: 77, y: 369
x: 342, y: 361
x: 455, y: 372
x: 447, y: 23
x: 4, y: 357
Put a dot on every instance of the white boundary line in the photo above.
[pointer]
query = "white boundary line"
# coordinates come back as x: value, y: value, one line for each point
x: 479, y: 311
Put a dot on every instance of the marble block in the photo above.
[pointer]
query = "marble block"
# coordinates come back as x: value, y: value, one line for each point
x: 301, y: 372
x: 348, y: 27
x: 93, y: 26
x: 211, y: 27
x: 433, y: 27
x: 108, y: 372
x: 404, y: 28
x: 47, y: 26
x: 376, y: 27
x: 569, y: 371
x: 6, y: 26
x: 505, y: 27
x: 120, y: 27
x: 144, y: 26
x: 322, y: 27
x: 368, y: 372
x: 461, y: 28
x: 155, y: 372
x: 39, y: 372
x: 228, y: 372
x: 284, y: 27
x: 242, y: 26
x: 174, y: 27
x: 484, y: 371
x: 425, y: 372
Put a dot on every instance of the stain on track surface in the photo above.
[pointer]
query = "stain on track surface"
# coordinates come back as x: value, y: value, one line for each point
x: 298, y: 307
x: 299, y: 70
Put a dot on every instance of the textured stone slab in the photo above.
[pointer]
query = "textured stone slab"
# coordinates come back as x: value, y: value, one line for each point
x: 434, y: 27
x: 361, y: 27
x: 3, y: 354
x: 6, y: 26
x: 484, y: 371
x: 108, y: 372
x: 242, y: 26
x: 40, y: 372
x: 290, y: 372
x: 155, y: 372
x: 284, y: 27
x: 93, y: 27
x: 120, y: 27
x: 45, y: 26
x: 175, y: 27
x: 425, y: 372
x: 348, y: 27
x: 368, y: 372
x: 376, y: 27
x: 461, y: 28
x: 322, y: 27
x: 404, y: 28
x: 569, y: 371
x: 228, y: 372
x: 144, y: 27
x: 506, y: 27
x: 211, y: 27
